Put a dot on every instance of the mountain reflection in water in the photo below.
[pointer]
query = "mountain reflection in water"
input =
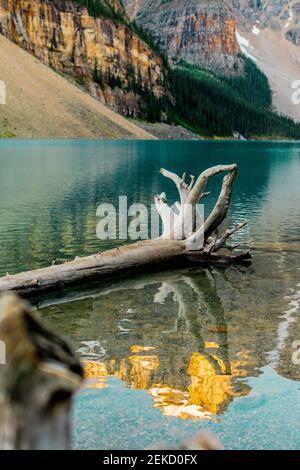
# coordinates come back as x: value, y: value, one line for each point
x: 182, y: 358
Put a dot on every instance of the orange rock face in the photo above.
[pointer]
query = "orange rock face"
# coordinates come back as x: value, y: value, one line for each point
x: 231, y: 45
x: 199, y: 32
x: 64, y: 36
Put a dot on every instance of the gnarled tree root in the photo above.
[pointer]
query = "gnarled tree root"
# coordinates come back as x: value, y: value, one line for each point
x: 186, y: 239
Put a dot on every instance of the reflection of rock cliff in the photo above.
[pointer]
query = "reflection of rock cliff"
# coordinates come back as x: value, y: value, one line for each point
x: 190, y: 338
x: 207, y: 395
x: 194, y: 379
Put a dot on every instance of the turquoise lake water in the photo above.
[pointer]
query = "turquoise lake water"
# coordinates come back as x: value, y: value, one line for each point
x: 168, y: 353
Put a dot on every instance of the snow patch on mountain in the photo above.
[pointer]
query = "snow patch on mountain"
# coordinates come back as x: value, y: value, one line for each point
x: 245, y: 46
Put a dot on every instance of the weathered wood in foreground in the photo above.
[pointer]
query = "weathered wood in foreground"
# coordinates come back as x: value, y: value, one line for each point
x: 186, y: 239
x: 36, y: 383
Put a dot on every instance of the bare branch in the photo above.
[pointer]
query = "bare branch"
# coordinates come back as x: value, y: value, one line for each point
x: 220, y: 210
x: 202, y: 180
x: 180, y: 183
x: 222, y: 241
x: 167, y: 214
x: 232, y: 247
x: 172, y: 176
x: 177, y: 206
x: 209, y: 247
x: 191, y: 183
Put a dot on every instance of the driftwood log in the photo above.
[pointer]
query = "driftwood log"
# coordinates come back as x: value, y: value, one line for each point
x: 38, y: 377
x: 186, y: 239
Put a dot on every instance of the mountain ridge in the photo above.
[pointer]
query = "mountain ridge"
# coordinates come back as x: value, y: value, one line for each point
x: 207, y: 84
x: 199, y: 32
x: 256, y: 25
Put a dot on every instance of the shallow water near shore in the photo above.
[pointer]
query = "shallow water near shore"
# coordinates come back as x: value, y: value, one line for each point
x: 167, y: 353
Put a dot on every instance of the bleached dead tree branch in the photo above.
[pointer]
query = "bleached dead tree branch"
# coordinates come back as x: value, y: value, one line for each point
x: 187, y: 238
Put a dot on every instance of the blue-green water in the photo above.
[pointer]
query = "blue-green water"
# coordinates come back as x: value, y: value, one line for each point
x: 162, y: 348
x: 268, y: 418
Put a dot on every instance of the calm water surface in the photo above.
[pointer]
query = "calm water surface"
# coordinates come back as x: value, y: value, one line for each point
x: 168, y: 353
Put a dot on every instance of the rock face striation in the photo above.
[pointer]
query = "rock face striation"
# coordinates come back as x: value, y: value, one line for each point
x: 200, y: 32
x: 105, y: 56
x: 275, y: 14
x: 269, y: 31
x: 203, y: 32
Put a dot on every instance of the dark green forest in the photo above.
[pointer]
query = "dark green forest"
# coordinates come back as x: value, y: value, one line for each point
x: 98, y: 8
x: 215, y: 105
x: 205, y: 103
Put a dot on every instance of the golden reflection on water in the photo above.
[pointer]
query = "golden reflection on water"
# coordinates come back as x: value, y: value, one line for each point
x: 210, y: 390
x: 190, y: 339
x: 185, y: 365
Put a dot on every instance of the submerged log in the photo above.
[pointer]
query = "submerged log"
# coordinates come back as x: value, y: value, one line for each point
x: 37, y: 381
x: 186, y: 239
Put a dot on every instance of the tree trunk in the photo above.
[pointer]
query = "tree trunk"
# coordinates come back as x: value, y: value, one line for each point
x: 186, y: 239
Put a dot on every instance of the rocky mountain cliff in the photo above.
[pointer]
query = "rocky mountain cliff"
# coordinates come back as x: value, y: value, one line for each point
x: 201, y: 32
x: 104, y: 55
x: 42, y: 104
x: 116, y: 5
x: 210, y: 88
x: 273, y: 14
x: 269, y: 33
x: 212, y: 33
